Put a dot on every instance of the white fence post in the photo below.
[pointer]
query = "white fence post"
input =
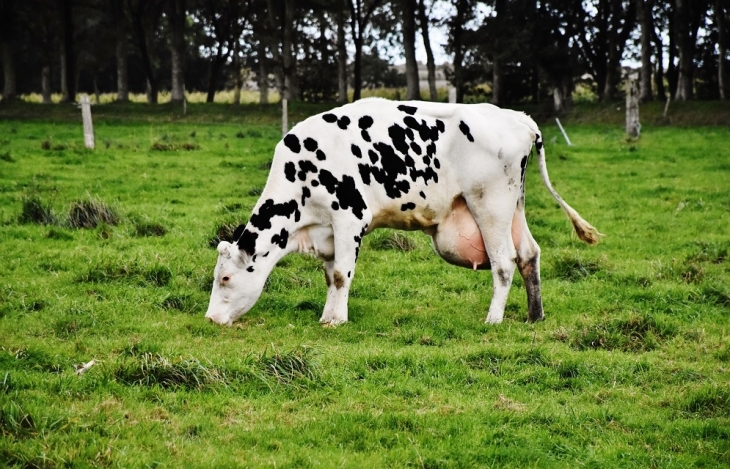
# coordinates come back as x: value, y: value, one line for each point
x: 284, y: 117
x: 88, y: 125
x: 452, y: 95
x: 633, y: 127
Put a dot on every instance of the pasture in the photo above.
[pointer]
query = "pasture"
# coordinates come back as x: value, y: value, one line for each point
x: 629, y: 369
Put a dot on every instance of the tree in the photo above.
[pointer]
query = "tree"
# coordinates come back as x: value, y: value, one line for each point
x: 457, y: 44
x: 121, y: 51
x: 361, y: 12
x: 721, y: 22
x: 7, y: 30
x: 145, y: 17
x: 687, y: 16
x: 423, y: 19
x: 341, y: 53
x: 408, y: 17
x: 644, y: 10
x: 68, y: 54
x: 176, y: 17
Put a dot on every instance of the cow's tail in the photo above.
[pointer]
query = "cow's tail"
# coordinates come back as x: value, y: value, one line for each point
x: 585, y: 230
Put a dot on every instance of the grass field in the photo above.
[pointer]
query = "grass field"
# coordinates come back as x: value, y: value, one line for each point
x: 629, y: 369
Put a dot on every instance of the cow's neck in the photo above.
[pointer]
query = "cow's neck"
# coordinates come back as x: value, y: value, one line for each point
x: 269, y: 231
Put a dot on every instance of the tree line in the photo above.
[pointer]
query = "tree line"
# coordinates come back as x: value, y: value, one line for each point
x: 319, y: 50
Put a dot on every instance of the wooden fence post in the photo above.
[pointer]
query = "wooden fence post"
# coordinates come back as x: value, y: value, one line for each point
x: 633, y: 127
x: 88, y: 124
x: 284, y: 117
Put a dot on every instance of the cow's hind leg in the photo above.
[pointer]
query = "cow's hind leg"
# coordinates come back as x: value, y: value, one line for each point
x: 528, y: 263
x: 340, y: 272
x: 493, y: 214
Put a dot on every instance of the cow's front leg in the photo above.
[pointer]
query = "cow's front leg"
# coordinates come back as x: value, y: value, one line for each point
x: 340, y: 272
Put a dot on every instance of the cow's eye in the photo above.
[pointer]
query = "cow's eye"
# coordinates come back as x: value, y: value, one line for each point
x: 226, y: 278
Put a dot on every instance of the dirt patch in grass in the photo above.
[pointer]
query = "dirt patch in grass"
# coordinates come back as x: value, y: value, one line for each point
x: 636, y: 333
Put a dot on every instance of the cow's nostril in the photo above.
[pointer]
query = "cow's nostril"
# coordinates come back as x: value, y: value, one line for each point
x: 209, y: 319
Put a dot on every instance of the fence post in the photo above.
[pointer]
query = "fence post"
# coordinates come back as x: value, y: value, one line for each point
x: 88, y: 124
x: 452, y: 95
x: 633, y: 127
x: 284, y: 117
x: 567, y: 140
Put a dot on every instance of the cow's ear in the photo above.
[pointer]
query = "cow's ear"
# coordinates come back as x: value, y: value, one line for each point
x: 224, y: 248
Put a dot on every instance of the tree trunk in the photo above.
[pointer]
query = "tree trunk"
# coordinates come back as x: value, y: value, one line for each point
x: 121, y: 51
x: 239, y: 79
x: 659, y: 74
x: 176, y: 17
x: 10, y: 90
x: 69, y: 56
x: 413, y: 90
x: 644, y: 16
x: 215, y: 65
x: 558, y: 99
x: 686, y: 51
x: 341, y: 54
x: 287, y: 49
x: 458, y: 46
x: 671, y: 65
x: 721, y: 47
x: 263, y: 75
x: 430, y: 62
x: 496, y: 82
x: 46, y: 84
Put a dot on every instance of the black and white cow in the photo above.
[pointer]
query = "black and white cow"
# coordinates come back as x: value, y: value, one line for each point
x: 455, y: 171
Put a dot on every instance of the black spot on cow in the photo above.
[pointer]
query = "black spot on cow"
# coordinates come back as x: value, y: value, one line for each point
x: 398, y: 137
x: 262, y: 218
x: 426, y: 160
x: 365, y: 122
x: 290, y: 171
x: 423, y: 196
x: 465, y: 130
x: 310, y: 144
x: 292, y: 142
x: 407, y: 109
x: 409, y: 161
x: 411, y: 136
x: 306, y: 166
x: 356, y: 150
x: 329, y: 118
x: 267, y: 254
x: 249, y: 269
x: 364, y: 173
x: 328, y: 181
x: 315, y: 183
x: 320, y: 155
x: 373, y: 156
x: 440, y: 126
x: 538, y: 142
x: 416, y: 148
x: 280, y: 238
x: 523, y: 168
x: 411, y: 122
x: 254, y: 258
x: 365, y: 135
x: 408, y: 206
x: 238, y: 232
x: 358, y: 240
x: 335, y: 205
x: 349, y: 197
x: 247, y: 241
x: 343, y: 122
x: 436, y: 163
x: 305, y: 194
x: 349, y: 273
x: 431, y: 149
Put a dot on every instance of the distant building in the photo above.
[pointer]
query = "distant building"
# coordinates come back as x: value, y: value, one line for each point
x: 441, y: 81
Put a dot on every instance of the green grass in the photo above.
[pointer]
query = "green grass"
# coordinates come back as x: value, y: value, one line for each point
x: 629, y: 369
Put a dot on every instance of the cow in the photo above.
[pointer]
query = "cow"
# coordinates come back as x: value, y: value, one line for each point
x: 454, y: 171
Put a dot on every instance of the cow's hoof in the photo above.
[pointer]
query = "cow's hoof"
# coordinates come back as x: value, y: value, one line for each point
x: 491, y: 320
x: 333, y: 322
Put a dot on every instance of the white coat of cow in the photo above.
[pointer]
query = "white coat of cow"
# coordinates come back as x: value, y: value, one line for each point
x: 455, y: 171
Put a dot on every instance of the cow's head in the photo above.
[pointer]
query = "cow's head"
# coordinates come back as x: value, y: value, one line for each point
x: 237, y: 284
